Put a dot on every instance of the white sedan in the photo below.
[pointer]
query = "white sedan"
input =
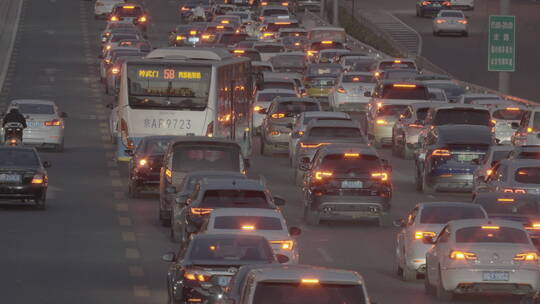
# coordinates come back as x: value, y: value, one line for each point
x: 451, y: 22
x: 348, y: 93
x: 482, y: 257
x: 102, y: 8
x: 269, y: 223
x: 45, y: 123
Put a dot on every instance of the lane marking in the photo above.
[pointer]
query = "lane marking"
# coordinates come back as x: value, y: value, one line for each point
x: 136, y: 271
x: 116, y: 182
x: 128, y: 236
x: 50, y: 32
x: 141, y: 291
x: 122, y: 207
x: 109, y: 154
x: 325, y: 255
x: 114, y: 173
x: 105, y: 138
x: 119, y: 195
x: 111, y: 164
x: 124, y: 221
x: 133, y: 253
x: 14, y: 38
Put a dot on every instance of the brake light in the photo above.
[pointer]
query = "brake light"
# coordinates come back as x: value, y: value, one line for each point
x: 302, y: 145
x: 285, y: 3
x: 463, y: 21
x: 351, y: 155
x: 397, y: 61
x: 417, y: 126
x: 383, y: 176
x: 535, y: 226
x: 439, y: 21
x: 108, y: 47
x: 264, y: 3
x: 505, y: 200
x: 418, y: 235
x: 192, y: 33
x: 108, y: 61
x: 143, y: 19
x: 401, y: 85
x: 440, y: 152
x: 342, y: 90
x: 424, y: 3
x: 286, y: 245
x: 168, y: 173
x: 517, y: 191
x: 205, y: 37
x: 115, y: 70
x: 274, y: 133
x: 201, y: 211
x: 143, y: 162
x: 53, y: 123
x: 128, y: 6
x: 184, y: 9
x: 220, y: 27
x: 310, y: 281
x: 327, y: 42
x: 311, y: 52
x: 239, y: 51
x: 491, y: 227
x: 114, y: 18
x: 257, y: 108
x: 489, y: 172
x: 38, y: 179
x: 320, y: 175
x: 462, y: 255
x: 526, y: 256
x: 446, y: 3
x: 196, y: 277
x: 381, y: 122
x: 282, y: 23
x: 225, y: 21
x: 278, y: 115
x: 377, y: 74
x: 248, y: 227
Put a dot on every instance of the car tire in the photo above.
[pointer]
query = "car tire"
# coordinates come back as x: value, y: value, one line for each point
x: 428, y: 288
x: 465, y: 34
x: 59, y: 147
x: 41, y: 202
x: 408, y: 274
x: 443, y: 294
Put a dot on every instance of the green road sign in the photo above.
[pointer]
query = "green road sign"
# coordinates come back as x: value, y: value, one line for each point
x: 502, y: 44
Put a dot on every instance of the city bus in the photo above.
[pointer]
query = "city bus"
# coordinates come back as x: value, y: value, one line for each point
x: 179, y: 95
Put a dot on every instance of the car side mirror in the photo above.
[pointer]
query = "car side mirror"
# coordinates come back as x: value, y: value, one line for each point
x: 367, y: 94
x: 515, y: 125
x: 171, y: 190
x: 46, y: 164
x: 169, y: 257
x: 129, y: 152
x: 399, y: 223
x: 428, y: 240
x: 295, y: 231
x: 305, y: 164
x: 279, y: 201
x: 63, y: 115
x: 282, y: 259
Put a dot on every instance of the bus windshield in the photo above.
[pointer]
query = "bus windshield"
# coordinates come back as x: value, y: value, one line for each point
x: 165, y: 87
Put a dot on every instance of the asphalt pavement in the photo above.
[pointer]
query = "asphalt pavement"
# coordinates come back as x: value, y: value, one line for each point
x: 93, y: 244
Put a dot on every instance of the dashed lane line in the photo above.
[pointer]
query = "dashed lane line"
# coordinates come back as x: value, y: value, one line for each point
x: 325, y: 255
x: 124, y: 221
x: 141, y: 291
x: 122, y: 207
x: 133, y: 253
x: 128, y: 236
x: 136, y: 271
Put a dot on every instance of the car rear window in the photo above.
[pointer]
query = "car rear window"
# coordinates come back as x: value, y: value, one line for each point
x: 17, y: 158
x: 358, y: 78
x: 335, y: 132
x: 391, y: 110
x: 234, y: 198
x: 497, y: 235
x: 409, y: 92
x: 156, y: 146
x: 387, y: 65
x: 320, y: 82
x: 219, y: 250
x: 397, y: 74
x: 128, y: 11
x: 271, y: 96
x: 232, y: 38
x: 452, y: 14
x: 324, y: 70
x: 275, y: 12
x: 191, y: 158
x: 421, y: 113
x: 499, y: 155
x: 285, y: 85
x: 116, y: 38
x: 528, y: 175
x: 510, y: 208
x: 508, y: 114
x: 237, y: 222
x: 271, y: 293
x: 325, y: 46
x: 444, y: 214
x: 297, y: 107
x: 26, y: 108
x: 269, y: 48
x: 351, y: 164
x: 462, y: 116
x: 362, y: 65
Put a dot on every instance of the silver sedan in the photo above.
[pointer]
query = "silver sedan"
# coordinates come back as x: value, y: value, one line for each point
x: 451, y: 21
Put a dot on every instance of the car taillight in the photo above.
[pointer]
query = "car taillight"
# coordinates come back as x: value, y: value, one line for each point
x: 108, y: 61
x: 416, y: 126
x: 38, y: 179
x: 278, y: 115
x: 513, y: 190
x: 439, y: 21
x: 342, y: 90
x: 446, y: 3
x: 274, y: 133
x: 526, y: 256
x: 424, y: 3
x: 115, y: 70
x: 534, y: 226
x: 488, y: 172
x: 311, y: 53
x: 462, y: 255
x: 383, y: 176
x: 268, y: 34
x: 143, y: 162
x: 285, y: 3
x: 210, y: 129
x: 168, y: 174
x: 179, y: 38
x: 286, y: 245
x: 201, y: 211
x: 440, y: 152
x: 320, y: 175
x: 142, y: 19
x: 381, y: 122
x: 53, y: 123
x: 419, y: 235
x: 196, y: 277
x: 311, y: 146
x: 184, y: 9
x: 114, y: 18
x: 463, y: 21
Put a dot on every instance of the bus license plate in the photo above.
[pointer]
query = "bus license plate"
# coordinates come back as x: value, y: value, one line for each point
x: 224, y: 281
x: 10, y: 178
x: 351, y: 184
x: 496, y: 276
x: 168, y: 124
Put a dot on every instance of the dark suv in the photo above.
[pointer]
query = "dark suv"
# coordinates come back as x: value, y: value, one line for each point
x: 431, y: 7
x: 347, y: 182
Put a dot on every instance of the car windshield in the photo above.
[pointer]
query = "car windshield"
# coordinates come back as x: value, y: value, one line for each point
x: 118, y: 37
x: 320, y: 82
x: 294, y: 293
x: 28, y: 108
x: 362, y: 65
x: 296, y: 107
x: 234, y: 198
x: 444, y: 214
x: 247, y: 222
x: 335, y: 132
x: 491, y: 234
x: 229, y: 250
x: 405, y: 92
x: 201, y: 157
x: 272, y: 96
x: 452, y: 14
x: 510, y: 207
x: 528, y: 175
x: 355, y: 163
x: 462, y: 116
x: 508, y: 114
x: 451, y: 90
x: 269, y: 48
x: 128, y: 11
x: 18, y: 158
x: 156, y: 145
x: 391, y: 110
x: 358, y: 78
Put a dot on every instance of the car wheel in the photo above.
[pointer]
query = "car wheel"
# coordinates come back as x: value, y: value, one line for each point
x: 465, y: 34
x: 59, y: 147
x: 408, y: 274
x: 443, y: 294
x: 41, y: 202
x: 428, y: 288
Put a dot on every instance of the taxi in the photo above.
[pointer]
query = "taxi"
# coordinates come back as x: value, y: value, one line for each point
x: 131, y: 12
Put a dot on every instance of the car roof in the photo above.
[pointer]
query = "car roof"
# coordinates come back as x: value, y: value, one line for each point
x: 466, y: 134
x: 486, y: 197
x: 225, y: 236
x: 520, y: 162
x: 508, y: 105
x: 246, y: 212
x: 326, y: 114
x: 333, y: 123
x: 22, y: 148
x: 501, y: 148
x: 232, y: 184
x: 458, y: 224
x: 424, y: 104
x: 295, y: 273
x: 387, y: 82
x: 354, y: 73
x: 446, y: 204
x: 276, y: 91
x: 31, y: 101
x: 527, y: 148
x: 157, y: 137
x: 446, y: 105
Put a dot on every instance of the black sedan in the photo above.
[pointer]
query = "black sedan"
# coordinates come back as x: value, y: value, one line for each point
x: 145, y: 163
x: 199, y: 272
x: 23, y: 176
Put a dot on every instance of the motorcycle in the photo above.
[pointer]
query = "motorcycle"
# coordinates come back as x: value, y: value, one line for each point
x: 13, y: 133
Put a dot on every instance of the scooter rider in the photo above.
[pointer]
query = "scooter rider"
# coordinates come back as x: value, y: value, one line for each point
x: 199, y: 13
x: 14, y: 116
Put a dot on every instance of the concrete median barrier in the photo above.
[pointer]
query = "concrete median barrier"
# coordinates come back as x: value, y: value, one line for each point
x: 10, y: 11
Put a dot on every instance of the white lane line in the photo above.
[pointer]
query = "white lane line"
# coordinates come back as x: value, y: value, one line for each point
x: 50, y: 32
x: 133, y: 253
x: 136, y: 271
x: 7, y: 59
x: 141, y: 291
x: 128, y: 237
x: 119, y: 195
x: 116, y: 182
x: 124, y: 221
x: 110, y: 164
x: 325, y: 255
x: 122, y: 207
x: 114, y: 173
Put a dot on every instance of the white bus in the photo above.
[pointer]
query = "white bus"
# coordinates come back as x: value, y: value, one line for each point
x: 175, y: 95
